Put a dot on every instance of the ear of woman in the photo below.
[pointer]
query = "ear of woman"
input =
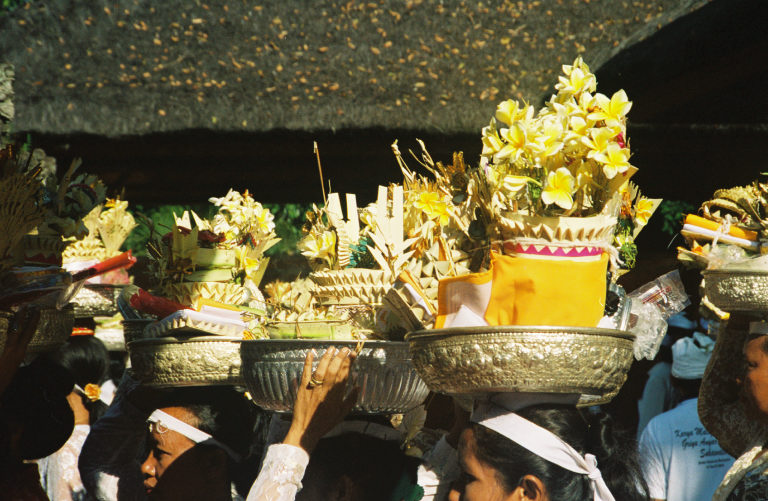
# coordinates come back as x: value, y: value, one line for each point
x: 531, y: 488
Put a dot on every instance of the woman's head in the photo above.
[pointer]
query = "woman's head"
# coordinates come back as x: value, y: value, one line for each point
x: 754, y: 387
x: 495, y: 467
x: 87, y: 360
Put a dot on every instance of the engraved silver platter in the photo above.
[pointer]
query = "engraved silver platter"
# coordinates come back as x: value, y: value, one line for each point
x: 97, y: 300
x: 53, y: 330
x: 196, y: 361
x: 383, y: 371
x: 476, y: 361
x: 735, y: 290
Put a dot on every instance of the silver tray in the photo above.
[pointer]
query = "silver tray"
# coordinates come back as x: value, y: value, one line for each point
x: 197, y: 361
x: 97, y: 300
x: 383, y: 371
x: 733, y: 290
x: 476, y: 361
x: 54, y: 329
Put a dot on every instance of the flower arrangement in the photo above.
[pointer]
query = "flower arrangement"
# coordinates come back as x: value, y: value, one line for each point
x: 228, y: 249
x: 569, y: 159
x: 730, y: 229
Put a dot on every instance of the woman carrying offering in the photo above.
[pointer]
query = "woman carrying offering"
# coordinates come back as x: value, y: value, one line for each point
x: 545, y: 452
x: 320, y: 405
x: 733, y: 406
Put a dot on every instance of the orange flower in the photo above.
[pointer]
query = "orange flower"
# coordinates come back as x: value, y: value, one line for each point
x: 92, y: 391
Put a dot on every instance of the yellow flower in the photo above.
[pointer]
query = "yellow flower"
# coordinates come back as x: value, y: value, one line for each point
x: 509, y: 111
x: 643, y: 211
x: 577, y: 79
x: 559, y: 189
x: 615, y: 160
x: 598, y: 140
x: 92, y: 391
x: 549, y: 140
x: 513, y: 184
x: 265, y: 221
x: 516, y: 139
x: 613, y: 111
x: 245, y: 262
x: 433, y: 206
x: 492, y: 143
x: 322, y: 246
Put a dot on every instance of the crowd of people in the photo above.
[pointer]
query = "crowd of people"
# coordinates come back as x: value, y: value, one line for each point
x: 66, y: 433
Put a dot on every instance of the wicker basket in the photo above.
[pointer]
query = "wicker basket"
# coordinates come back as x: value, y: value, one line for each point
x: 133, y: 328
x: 383, y: 371
x: 590, y: 362
x: 733, y: 290
x: 197, y: 361
x: 53, y: 330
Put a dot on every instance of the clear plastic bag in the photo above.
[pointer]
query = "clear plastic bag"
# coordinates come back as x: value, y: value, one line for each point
x: 651, y: 305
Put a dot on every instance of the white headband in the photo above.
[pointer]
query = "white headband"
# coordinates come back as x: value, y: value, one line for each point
x: 189, y: 431
x: 543, y: 443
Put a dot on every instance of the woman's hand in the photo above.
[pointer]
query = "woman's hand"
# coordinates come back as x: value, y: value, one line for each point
x: 320, y: 403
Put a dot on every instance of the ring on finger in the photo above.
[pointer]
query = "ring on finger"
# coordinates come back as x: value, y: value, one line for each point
x: 315, y: 381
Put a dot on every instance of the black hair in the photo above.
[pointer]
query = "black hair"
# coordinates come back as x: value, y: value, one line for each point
x: 688, y: 388
x: 87, y: 359
x: 227, y: 416
x: 34, y: 408
x: 375, y: 467
x: 585, y: 432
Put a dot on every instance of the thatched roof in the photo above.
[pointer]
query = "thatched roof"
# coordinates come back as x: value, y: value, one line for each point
x: 135, y: 67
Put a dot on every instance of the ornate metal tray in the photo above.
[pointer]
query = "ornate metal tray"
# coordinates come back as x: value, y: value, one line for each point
x: 196, y: 361
x: 734, y: 290
x: 54, y: 328
x: 96, y: 300
x: 476, y: 361
x: 383, y: 371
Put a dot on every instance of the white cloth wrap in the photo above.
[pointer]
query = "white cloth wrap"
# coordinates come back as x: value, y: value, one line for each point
x: 543, y: 443
x: 690, y: 356
x: 189, y: 431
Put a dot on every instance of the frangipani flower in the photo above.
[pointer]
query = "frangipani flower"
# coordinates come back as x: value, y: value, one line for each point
x: 509, y: 111
x: 516, y: 139
x: 513, y: 184
x: 643, y: 211
x: 577, y: 79
x: 434, y: 206
x: 549, y: 141
x: 615, y: 160
x: 559, y: 189
x: 598, y: 140
x: 322, y: 246
x: 492, y: 143
x: 613, y: 111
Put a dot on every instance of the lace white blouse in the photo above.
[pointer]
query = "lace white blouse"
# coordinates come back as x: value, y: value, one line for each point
x: 59, y: 476
x: 284, y: 466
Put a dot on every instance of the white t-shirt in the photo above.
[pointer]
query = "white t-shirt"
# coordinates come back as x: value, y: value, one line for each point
x: 681, y: 461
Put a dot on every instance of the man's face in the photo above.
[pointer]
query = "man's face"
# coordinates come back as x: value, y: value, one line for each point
x: 165, y: 446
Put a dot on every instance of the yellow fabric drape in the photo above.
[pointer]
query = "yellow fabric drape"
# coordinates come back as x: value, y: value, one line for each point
x: 526, y: 291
